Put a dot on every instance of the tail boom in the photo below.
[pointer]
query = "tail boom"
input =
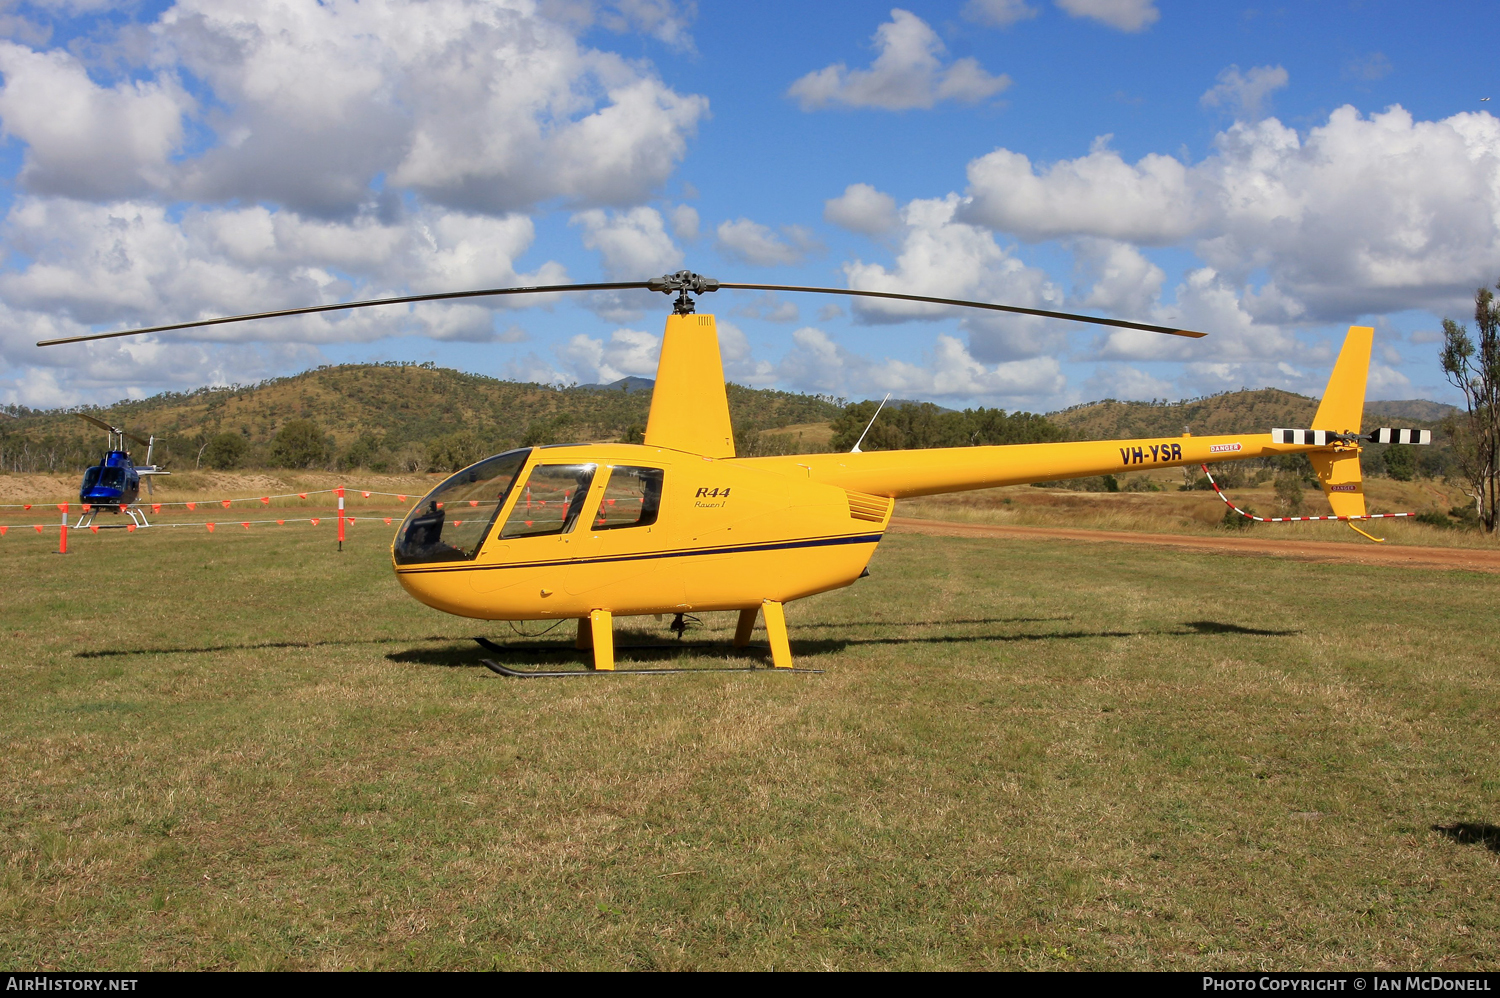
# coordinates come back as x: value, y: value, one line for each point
x: 909, y: 473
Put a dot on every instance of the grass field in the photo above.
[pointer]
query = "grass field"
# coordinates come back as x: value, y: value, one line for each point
x: 246, y: 751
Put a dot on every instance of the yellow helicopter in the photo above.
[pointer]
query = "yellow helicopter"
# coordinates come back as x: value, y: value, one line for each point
x: 679, y: 524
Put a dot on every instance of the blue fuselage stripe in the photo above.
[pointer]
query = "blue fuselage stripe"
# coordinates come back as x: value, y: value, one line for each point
x: 809, y: 542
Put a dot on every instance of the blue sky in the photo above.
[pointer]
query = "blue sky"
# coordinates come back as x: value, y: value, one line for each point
x: 1266, y: 174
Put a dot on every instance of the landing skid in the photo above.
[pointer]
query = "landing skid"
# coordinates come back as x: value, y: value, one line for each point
x: 137, y: 517
x: 506, y: 670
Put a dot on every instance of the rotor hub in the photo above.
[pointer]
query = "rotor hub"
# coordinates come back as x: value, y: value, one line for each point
x: 685, y: 283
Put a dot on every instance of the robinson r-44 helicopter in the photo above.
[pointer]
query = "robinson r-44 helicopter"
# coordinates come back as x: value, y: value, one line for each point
x: 115, y: 482
x: 680, y: 524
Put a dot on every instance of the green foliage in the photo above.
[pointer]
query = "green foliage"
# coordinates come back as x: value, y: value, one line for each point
x: 1400, y: 462
x: 365, y: 452
x: 1435, y: 518
x: 453, y: 451
x: 1289, y: 492
x: 299, y: 444
x: 1474, y: 369
x: 922, y: 425
x: 1235, y: 521
x: 226, y: 451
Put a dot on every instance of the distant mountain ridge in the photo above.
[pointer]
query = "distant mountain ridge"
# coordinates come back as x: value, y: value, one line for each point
x: 1232, y: 412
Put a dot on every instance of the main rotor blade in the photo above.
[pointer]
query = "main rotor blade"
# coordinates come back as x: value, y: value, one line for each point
x: 310, y: 309
x: 1096, y: 320
x: 132, y: 436
x: 99, y: 423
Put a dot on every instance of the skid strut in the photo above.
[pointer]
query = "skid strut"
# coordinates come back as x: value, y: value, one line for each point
x: 596, y: 636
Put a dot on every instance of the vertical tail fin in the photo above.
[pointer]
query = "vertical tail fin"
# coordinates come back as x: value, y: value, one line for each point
x: 689, y: 408
x: 1342, y: 411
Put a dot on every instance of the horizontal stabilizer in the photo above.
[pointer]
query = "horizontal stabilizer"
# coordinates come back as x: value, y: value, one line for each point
x: 1387, y: 435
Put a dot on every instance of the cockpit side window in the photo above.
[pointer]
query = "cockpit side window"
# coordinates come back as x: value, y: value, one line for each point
x: 113, y: 478
x: 451, y: 523
x: 90, y: 479
x: 632, y: 498
x: 550, y: 501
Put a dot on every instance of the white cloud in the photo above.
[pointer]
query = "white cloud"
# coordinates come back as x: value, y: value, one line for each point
x: 739, y: 363
x: 685, y: 222
x: 1245, y: 95
x: 132, y: 263
x: 907, y: 73
x: 769, y: 308
x: 1124, y: 284
x: 628, y: 352
x: 1126, y: 15
x: 84, y: 139
x: 1362, y: 215
x: 861, y: 208
x: 1098, y: 194
x: 946, y: 258
x: 1122, y: 381
x: 998, y: 13
x: 750, y: 242
x: 484, y: 107
x: 634, y: 243
x: 817, y: 363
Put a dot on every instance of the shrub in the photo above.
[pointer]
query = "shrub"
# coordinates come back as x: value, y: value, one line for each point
x: 1234, y: 521
x: 299, y: 444
x: 226, y: 451
x: 1400, y: 462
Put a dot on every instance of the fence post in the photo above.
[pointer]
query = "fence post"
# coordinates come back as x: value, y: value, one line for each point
x: 62, y: 544
x: 341, y: 517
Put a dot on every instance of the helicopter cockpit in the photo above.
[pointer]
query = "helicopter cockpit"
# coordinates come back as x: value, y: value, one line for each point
x: 111, y: 482
x: 453, y: 520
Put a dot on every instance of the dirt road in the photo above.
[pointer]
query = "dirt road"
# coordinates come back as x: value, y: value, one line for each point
x: 1366, y: 553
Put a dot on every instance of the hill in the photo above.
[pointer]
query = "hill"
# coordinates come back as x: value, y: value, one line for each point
x: 396, y: 416
x: 1230, y: 412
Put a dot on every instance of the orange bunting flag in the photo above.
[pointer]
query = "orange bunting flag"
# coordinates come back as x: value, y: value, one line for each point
x: 27, y: 506
x: 401, y: 498
x: 315, y: 521
x: 3, y: 530
x: 94, y: 527
x: 245, y: 525
x: 227, y: 502
x: 387, y: 521
x: 87, y: 507
x: 528, y: 523
x: 265, y: 500
x: 280, y: 523
x: 458, y: 523
x: 210, y: 527
x: 610, y: 501
x: 365, y: 494
x: 156, y: 507
x: 37, y: 527
x: 122, y: 508
x: 64, y: 506
x: 130, y: 528
x: 191, y: 505
x: 301, y: 495
x: 439, y: 505
x: 473, y: 502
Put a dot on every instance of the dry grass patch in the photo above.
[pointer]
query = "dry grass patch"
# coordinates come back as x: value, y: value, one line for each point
x: 248, y: 751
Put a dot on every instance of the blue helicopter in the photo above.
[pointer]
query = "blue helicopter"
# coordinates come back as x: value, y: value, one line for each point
x: 114, y: 483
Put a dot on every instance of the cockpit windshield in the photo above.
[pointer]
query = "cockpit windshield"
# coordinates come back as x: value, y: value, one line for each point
x: 452, y: 521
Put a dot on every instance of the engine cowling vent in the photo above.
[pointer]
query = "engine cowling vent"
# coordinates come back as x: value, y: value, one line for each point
x: 868, y: 507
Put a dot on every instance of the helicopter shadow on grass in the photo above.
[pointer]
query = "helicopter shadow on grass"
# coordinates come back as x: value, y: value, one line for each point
x: 1472, y: 833
x: 467, y: 655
